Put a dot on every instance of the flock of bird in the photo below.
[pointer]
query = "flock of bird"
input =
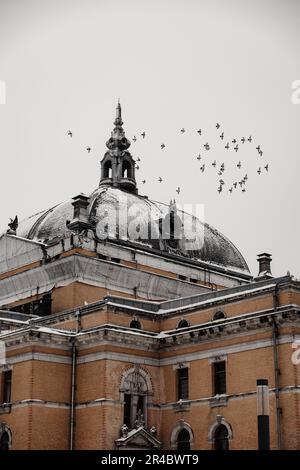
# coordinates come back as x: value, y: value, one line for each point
x: 235, y: 145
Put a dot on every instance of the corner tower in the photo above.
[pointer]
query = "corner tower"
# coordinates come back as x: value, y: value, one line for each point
x: 117, y: 165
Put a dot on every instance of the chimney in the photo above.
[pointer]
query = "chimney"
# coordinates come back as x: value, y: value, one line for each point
x: 80, y: 215
x: 264, y: 261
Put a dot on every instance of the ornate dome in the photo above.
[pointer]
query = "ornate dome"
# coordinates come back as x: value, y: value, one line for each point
x: 200, y: 242
x: 115, y: 211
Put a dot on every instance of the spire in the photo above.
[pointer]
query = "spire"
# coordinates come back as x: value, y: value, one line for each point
x: 117, y: 165
x: 118, y: 141
x: 118, y: 120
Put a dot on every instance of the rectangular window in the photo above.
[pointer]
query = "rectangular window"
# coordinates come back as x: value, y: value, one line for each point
x: 181, y: 277
x: 219, y: 376
x: 6, y: 387
x: 183, y: 383
x: 116, y: 260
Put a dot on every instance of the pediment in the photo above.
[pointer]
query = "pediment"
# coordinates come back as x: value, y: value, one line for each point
x: 138, y: 439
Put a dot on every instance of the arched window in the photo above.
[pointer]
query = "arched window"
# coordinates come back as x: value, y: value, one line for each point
x: 219, y: 315
x: 183, y: 324
x: 183, y: 440
x: 221, y: 438
x: 220, y: 433
x: 182, y: 437
x: 5, y: 437
x: 107, y: 169
x: 126, y: 170
x: 135, y: 324
x: 4, y: 441
x: 135, y: 387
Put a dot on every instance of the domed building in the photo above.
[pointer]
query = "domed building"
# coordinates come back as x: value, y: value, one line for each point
x: 128, y: 323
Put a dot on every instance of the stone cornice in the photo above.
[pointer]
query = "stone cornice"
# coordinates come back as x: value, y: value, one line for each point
x: 241, y: 325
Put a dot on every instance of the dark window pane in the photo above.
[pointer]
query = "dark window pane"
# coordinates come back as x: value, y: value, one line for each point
x: 6, y: 382
x: 183, y: 440
x: 135, y: 324
x: 183, y: 324
x: 4, y: 441
x: 220, y: 377
x: 221, y: 438
x: 183, y: 383
x: 140, y: 405
x: 127, y: 409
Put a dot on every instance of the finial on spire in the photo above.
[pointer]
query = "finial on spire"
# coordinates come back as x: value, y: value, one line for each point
x: 118, y: 121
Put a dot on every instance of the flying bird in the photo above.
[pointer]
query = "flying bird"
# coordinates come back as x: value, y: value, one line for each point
x: 234, y: 141
x: 214, y: 163
x: 137, y: 167
x: 243, y: 140
x: 235, y: 185
x: 162, y: 146
x: 220, y: 189
x: 258, y: 148
x: 227, y: 146
x: 138, y: 159
x: 236, y: 147
x: 260, y: 153
x: 178, y: 190
x: 222, y: 136
x: 143, y: 181
x: 160, y: 179
x: 182, y: 130
x: 259, y: 171
x: 202, y: 168
x: 199, y: 157
x: 230, y: 190
x: 89, y: 149
x: 218, y: 125
x: 199, y: 131
x: 239, y: 165
x: 243, y: 190
x: 143, y: 134
x: 134, y: 138
x: 70, y: 133
x: 206, y: 146
x: 250, y: 138
x: 222, y: 182
x: 267, y: 167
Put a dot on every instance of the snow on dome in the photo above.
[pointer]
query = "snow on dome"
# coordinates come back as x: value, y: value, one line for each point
x: 107, y: 208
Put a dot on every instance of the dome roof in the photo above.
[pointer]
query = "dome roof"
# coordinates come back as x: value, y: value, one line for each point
x: 200, y: 242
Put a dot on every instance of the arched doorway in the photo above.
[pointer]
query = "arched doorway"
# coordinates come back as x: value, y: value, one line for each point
x: 183, y: 440
x: 221, y: 441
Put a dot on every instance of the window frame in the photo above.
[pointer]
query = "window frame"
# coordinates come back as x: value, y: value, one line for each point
x: 182, y: 383
x: 218, y: 382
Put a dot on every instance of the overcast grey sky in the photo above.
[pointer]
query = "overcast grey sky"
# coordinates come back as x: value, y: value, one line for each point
x: 174, y: 64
